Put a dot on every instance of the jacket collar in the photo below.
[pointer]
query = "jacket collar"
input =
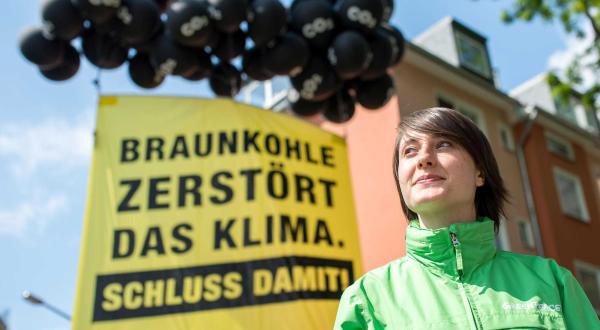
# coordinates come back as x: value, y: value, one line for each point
x: 434, y: 248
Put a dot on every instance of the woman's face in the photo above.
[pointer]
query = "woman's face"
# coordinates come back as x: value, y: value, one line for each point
x: 436, y: 174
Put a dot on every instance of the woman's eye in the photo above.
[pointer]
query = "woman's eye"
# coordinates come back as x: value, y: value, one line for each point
x: 409, y: 150
x: 444, y: 144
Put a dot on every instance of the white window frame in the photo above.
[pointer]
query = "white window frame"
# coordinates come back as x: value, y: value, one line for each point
x: 570, y: 152
x: 582, y: 265
x: 581, y: 116
x: 510, y: 144
x: 461, y: 105
x: 529, y: 242
x: 596, y: 178
x: 461, y: 38
x: 502, y: 240
x: 585, y: 217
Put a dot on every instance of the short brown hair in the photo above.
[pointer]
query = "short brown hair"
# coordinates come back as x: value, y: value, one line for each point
x: 451, y: 124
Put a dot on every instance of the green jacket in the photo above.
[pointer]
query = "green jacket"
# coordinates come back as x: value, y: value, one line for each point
x: 454, y: 278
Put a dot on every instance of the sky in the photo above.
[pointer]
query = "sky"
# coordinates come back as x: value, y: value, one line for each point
x: 46, y: 141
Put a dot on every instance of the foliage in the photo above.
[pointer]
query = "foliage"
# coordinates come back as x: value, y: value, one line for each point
x: 573, y: 16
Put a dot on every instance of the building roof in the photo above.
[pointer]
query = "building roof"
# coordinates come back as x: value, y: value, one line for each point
x: 459, y: 77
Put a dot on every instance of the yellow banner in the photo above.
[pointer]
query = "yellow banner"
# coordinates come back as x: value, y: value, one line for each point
x: 211, y: 214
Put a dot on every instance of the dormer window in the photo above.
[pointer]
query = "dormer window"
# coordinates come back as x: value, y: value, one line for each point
x: 472, y: 54
x: 459, y: 46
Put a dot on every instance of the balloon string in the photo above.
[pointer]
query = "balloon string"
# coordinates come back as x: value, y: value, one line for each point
x: 97, y: 83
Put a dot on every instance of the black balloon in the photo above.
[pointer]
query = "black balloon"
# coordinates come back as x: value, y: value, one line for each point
x: 102, y: 50
x: 266, y: 20
x: 142, y: 73
x: 62, y: 19
x: 148, y: 45
x: 363, y: 15
x: 253, y: 65
x: 295, y: 2
x: 374, y: 94
x: 304, y: 107
x: 189, y: 22
x: 66, y: 69
x: 196, y: 75
x: 213, y: 40
x: 341, y: 107
x: 171, y: 58
x: 228, y: 14
x: 315, y: 21
x: 98, y: 11
x: 317, y: 81
x: 138, y: 21
x: 329, y: 42
x: 397, y: 42
x: 36, y: 46
x: 162, y: 4
x: 202, y: 70
x: 288, y: 56
x: 388, y: 9
x: 107, y: 27
x: 225, y: 80
x: 349, y: 54
x: 383, y: 54
x: 230, y: 45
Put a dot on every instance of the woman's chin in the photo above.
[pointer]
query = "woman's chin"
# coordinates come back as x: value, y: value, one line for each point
x: 431, y: 197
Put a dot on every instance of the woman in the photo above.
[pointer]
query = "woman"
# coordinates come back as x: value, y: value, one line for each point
x: 452, y: 276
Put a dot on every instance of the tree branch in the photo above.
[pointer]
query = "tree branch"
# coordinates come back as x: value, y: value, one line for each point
x: 595, y: 25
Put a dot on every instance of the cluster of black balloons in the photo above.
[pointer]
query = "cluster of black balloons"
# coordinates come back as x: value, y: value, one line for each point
x: 335, y: 52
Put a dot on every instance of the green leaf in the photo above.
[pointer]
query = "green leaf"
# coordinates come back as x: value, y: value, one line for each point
x: 546, y: 13
x: 506, y: 17
x: 587, y: 100
x: 578, y: 6
x: 552, y: 79
x: 525, y: 14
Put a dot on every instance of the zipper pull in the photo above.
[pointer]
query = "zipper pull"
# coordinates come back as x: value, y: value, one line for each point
x: 457, y: 249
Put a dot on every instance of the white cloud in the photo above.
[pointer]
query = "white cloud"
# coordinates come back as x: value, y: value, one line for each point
x: 52, y: 143
x: 561, y: 59
x: 33, y: 214
x: 34, y: 154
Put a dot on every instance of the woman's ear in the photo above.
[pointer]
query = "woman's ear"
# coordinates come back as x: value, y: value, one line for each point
x: 480, y: 180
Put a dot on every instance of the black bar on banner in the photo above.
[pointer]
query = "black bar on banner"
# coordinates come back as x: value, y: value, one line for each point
x: 255, y: 282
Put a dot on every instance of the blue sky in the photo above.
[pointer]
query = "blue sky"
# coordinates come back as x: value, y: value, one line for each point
x: 46, y: 138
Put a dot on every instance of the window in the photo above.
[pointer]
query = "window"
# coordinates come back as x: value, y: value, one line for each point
x: 564, y: 109
x: 471, y: 112
x: 475, y: 115
x: 559, y: 146
x: 570, y: 195
x: 574, y: 111
x: 472, y: 54
x: 525, y: 234
x: 444, y: 103
x: 592, y: 123
x: 506, y: 137
x: 589, y: 278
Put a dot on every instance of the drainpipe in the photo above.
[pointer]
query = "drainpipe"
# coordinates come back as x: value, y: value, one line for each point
x: 532, y: 113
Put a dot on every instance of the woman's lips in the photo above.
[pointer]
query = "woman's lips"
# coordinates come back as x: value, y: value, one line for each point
x: 428, y: 180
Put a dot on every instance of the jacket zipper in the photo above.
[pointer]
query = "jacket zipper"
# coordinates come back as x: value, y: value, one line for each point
x: 459, y: 260
x: 460, y: 269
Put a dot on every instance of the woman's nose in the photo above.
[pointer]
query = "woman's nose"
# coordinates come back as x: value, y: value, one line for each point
x: 425, y: 160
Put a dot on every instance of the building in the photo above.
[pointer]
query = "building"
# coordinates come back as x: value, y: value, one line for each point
x: 562, y: 152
